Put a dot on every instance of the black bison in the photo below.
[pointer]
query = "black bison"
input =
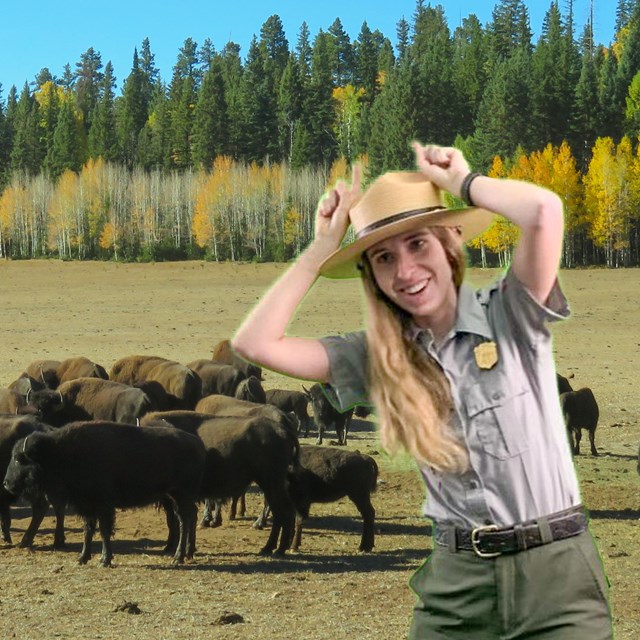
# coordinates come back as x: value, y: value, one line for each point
x: 98, y: 399
x: 45, y: 371
x: 98, y: 467
x: 80, y: 367
x: 220, y: 405
x: 223, y: 352
x: 12, y: 429
x: 563, y: 384
x: 241, y: 451
x: 326, y: 474
x: 326, y: 416
x: 217, y: 377
x: 580, y: 411
x: 182, y: 384
x: 296, y: 402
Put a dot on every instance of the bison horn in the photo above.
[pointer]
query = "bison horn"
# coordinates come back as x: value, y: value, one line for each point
x: 24, y: 445
x: 26, y: 399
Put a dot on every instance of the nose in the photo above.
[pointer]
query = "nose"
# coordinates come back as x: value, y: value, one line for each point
x: 405, y: 263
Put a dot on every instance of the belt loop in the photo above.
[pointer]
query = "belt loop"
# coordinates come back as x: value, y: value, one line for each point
x: 520, y: 537
x: 545, y: 530
x: 452, y: 541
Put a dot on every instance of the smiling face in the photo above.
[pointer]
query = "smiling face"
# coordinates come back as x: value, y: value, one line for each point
x: 414, y: 271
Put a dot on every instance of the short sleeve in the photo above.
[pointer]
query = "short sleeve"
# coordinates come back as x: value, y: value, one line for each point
x: 525, y: 311
x: 348, y: 367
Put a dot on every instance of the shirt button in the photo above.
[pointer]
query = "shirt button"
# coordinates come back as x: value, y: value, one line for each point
x: 497, y: 395
x: 473, y: 484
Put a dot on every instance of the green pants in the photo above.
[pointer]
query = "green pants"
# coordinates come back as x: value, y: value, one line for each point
x: 557, y: 591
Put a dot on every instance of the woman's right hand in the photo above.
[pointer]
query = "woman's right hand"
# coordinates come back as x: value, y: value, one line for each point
x: 332, y: 214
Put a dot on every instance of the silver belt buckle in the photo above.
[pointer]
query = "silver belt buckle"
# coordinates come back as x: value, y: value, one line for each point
x: 475, y: 541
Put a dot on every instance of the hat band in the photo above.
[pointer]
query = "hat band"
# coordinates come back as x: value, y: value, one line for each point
x: 395, y: 218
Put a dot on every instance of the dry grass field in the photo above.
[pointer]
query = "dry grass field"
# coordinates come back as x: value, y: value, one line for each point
x: 328, y: 590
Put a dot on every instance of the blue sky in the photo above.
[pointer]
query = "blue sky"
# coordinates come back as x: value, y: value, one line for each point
x: 36, y: 34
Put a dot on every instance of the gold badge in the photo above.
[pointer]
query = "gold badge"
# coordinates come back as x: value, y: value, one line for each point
x: 486, y: 354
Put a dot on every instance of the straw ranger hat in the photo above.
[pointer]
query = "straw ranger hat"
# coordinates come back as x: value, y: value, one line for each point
x: 397, y: 202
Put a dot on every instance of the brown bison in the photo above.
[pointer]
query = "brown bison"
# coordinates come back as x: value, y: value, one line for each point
x: 97, y: 399
x: 223, y: 352
x: 216, y: 377
x: 80, y: 367
x: 241, y: 451
x: 182, y: 384
x: 45, y: 371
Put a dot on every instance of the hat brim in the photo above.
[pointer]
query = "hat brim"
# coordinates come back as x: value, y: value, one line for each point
x: 343, y: 262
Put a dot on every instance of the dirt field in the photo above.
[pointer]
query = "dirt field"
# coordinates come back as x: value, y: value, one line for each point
x: 328, y: 590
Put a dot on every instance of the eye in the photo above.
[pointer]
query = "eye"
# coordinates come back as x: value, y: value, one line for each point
x: 383, y: 258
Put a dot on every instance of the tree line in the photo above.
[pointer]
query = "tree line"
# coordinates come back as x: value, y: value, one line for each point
x: 227, y: 159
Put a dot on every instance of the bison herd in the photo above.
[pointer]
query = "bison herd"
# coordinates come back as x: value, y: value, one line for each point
x: 154, y: 431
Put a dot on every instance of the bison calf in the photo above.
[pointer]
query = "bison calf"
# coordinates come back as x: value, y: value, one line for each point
x: 580, y: 411
x: 97, y: 467
x: 326, y: 475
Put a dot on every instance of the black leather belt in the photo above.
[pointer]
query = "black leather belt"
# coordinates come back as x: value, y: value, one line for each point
x: 489, y: 541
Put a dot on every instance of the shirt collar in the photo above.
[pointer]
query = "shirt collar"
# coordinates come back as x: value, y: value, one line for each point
x: 470, y: 316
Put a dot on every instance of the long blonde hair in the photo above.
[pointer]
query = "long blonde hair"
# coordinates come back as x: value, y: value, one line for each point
x: 410, y: 391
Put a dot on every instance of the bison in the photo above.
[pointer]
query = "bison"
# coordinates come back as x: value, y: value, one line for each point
x: 326, y: 475
x: 45, y: 371
x: 250, y: 389
x: 12, y: 429
x: 98, y: 467
x: 223, y: 353
x: 97, y: 399
x: 580, y: 411
x: 240, y: 451
x: 296, y: 402
x: 326, y: 416
x: 182, y: 384
x: 44, y: 403
x: 80, y: 367
x: 217, y: 377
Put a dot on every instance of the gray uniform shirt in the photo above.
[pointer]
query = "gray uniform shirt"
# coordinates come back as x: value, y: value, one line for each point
x: 508, y: 416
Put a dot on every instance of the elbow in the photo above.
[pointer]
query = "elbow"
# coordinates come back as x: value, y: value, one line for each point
x: 240, y: 345
x: 550, y: 213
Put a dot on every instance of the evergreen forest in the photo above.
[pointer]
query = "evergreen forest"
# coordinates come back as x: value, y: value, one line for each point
x: 226, y: 159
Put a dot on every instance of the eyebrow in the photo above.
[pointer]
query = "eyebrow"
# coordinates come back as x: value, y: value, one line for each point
x: 408, y: 238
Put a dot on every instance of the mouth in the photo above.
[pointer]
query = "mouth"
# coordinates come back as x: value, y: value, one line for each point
x: 414, y: 290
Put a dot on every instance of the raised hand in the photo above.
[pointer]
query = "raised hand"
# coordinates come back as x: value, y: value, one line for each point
x: 446, y: 167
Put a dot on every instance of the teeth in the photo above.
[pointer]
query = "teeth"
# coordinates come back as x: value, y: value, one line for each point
x: 415, y: 288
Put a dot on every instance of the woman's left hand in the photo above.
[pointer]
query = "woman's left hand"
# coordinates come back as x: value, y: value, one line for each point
x: 446, y: 167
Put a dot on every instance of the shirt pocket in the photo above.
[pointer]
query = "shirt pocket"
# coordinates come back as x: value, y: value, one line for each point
x: 496, y: 412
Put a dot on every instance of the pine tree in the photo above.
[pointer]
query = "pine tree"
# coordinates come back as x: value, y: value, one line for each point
x: 211, y: 121
x: 436, y: 100
x: 49, y: 98
x: 366, y: 64
x: 627, y: 68
x: 393, y: 121
x: 304, y: 51
x: 182, y: 98
x: 402, y: 37
x: 509, y: 30
x: 88, y: 80
x: 131, y: 111
x: 232, y: 72
x: 341, y: 54
x: 4, y: 143
x: 584, y: 128
x: 469, y: 73
x: 67, y: 151
x: 553, y: 83
x: 504, y: 116
x: 27, y: 151
x: 103, y: 140
x: 154, y: 140
x: 150, y: 74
